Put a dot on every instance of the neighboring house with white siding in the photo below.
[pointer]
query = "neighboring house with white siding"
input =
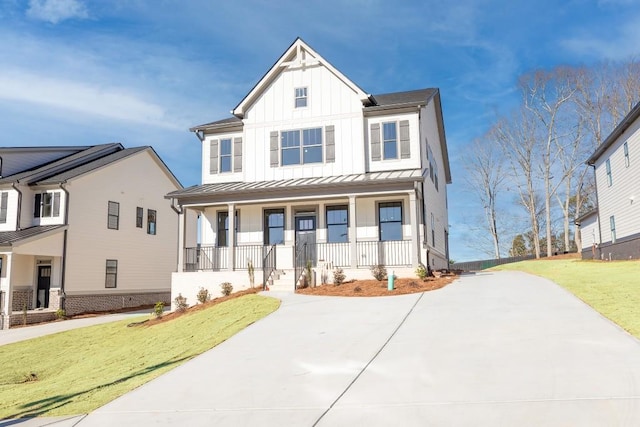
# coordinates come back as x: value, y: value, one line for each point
x: 590, y: 234
x: 84, y: 229
x: 616, y: 163
x: 313, y: 168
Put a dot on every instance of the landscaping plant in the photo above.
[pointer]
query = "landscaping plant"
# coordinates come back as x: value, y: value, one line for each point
x: 338, y: 276
x: 158, y: 309
x: 227, y: 288
x: 181, y: 303
x: 379, y: 272
x: 203, y: 295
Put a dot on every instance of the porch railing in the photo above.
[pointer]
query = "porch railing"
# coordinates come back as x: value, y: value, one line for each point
x: 243, y: 254
x: 268, y: 266
x: 205, y: 258
x: 338, y: 254
x: 301, y: 255
x: 390, y: 253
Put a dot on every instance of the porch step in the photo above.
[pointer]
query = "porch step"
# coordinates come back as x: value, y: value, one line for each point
x: 281, y: 280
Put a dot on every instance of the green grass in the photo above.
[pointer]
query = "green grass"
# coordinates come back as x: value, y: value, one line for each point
x: 612, y: 288
x: 80, y: 370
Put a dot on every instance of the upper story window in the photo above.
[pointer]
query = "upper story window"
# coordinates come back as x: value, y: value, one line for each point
x: 47, y: 205
x: 225, y: 155
x: 390, y: 218
x: 609, y: 177
x: 389, y: 141
x: 301, y: 97
x: 626, y: 154
x: 337, y: 224
x: 4, y: 198
x: 139, y: 217
x: 151, y: 221
x: 301, y: 146
x: 113, y: 216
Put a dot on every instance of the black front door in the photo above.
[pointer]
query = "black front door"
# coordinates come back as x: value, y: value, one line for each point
x: 44, y: 284
x: 306, y: 233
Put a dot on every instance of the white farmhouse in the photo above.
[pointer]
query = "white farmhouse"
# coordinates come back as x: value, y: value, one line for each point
x: 616, y: 228
x: 84, y: 229
x: 312, y: 169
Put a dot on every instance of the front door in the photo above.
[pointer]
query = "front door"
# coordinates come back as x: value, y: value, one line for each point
x: 306, y: 233
x: 44, y: 284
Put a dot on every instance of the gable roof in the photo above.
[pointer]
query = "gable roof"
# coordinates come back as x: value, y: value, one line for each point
x: 617, y: 132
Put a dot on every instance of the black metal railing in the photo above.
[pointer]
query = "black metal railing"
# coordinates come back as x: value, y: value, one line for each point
x: 205, y: 258
x: 244, y: 254
x: 268, y: 265
x: 389, y: 253
x: 338, y: 254
x: 300, y: 258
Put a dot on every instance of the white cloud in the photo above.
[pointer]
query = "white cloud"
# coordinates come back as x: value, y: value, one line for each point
x: 55, y: 11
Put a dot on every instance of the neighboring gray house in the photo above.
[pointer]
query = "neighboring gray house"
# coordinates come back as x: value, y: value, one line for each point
x: 616, y: 163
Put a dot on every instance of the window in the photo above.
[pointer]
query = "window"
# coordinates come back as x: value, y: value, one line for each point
x: 389, y: 141
x: 151, y: 221
x: 612, y: 223
x: 301, y: 97
x: 223, y: 228
x: 337, y: 224
x: 111, y: 277
x: 390, y: 216
x: 311, y: 146
x: 609, y: 178
x: 47, y: 205
x: 626, y: 154
x: 433, y: 231
x: 274, y: 227
x: 225, y: 155
x: 4, y: 197
x: 139, y: 217
x: 113, y: 216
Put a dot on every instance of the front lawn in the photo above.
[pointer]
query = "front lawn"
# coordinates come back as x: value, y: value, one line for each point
x: 612, y: 288
x: 76, y: 372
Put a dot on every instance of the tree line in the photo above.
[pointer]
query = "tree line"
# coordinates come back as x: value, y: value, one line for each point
x: 531, y: 161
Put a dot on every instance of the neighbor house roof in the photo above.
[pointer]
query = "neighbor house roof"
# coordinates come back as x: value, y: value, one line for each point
x: 9, y: 238
x: 617, y: 132
x: 585, y: 215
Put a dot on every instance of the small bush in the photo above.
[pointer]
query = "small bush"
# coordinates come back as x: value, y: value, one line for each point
x: 203, y: 296
x: 357, y: 289
x: 338, y: 276
x: 379, y: 272
x: 158, y: 309
x: 422, y: 272
x: 60, y: 314
x: 227, y: 288
x: 181, y: 303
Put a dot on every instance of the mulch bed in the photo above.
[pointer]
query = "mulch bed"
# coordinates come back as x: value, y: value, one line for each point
x: 374, y: 288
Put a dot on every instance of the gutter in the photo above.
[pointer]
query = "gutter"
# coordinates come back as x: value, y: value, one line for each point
x: 13, y: 184
x: 64, y: 247
x: 177, y: 209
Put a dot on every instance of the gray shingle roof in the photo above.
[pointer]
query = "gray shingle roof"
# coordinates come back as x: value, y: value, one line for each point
x: 412, y: 97
x: 619, y: 130
x: 228, y: 122
x: 8, y: 238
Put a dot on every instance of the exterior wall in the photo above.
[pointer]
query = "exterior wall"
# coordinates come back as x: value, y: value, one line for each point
x: 622, y: 198
x: 75, y: 304
x: 145, y: 261
x: 12, y: 210
x: 22, y: 298
x: 590, y: 236
x: 414, y: 134
x: 33, y: 317
x: 188, y: 284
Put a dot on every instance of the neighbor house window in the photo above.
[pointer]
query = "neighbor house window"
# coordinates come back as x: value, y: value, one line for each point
x: 47, y: 205
x: 433, y: 231
x: 139, y: 217
x: 151, y: 221
x: 111, y: 279
x: 274, y: 226
x: 337, y: 224
x: 225, y: 155
x: 113, y: 216
x: 612, y: 223
x: 626, y: 154
x: 301, y: 97
x: 609, y: 178
x: 301, y: 146
x: 4, y: 197
x: 390, y: 219
x: 389, y: 140
x: 223, y: 228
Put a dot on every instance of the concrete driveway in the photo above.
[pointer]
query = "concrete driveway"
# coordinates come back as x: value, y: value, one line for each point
x: 491, y: 349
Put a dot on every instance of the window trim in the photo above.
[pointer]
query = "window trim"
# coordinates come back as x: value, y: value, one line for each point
x: 625, y: 148
x: 228, y: 156
x: 612, y: 226
x: 395, y: 140
x: 40, y: 204
x: 226, y: 230
x: 152, y: 227
x: 110, y: 215
x: 609, y: 174
x: 300, y: 147
x: 400, y: 221
x: 113, y: 274
x: 139, y: 217
x: 265, y: 225
x: 300, y: 96
x: 330, y: 208
x: 4, y: 204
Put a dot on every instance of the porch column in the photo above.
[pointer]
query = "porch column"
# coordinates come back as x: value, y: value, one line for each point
x: 415, y: 230
x: 181, y: 241
x: 7, y: 301
x: 232, y: 235
x: 352, y: 231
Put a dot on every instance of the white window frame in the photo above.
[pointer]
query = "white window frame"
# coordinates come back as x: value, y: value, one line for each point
x: 222, y: 156
x: 625, y: 148
x: 395, y: 140
x: 301, y: 146
x: 301, y: 99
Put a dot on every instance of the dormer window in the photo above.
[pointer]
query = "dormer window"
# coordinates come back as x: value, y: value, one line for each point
x: 47, y: 205
x: 301, y: 97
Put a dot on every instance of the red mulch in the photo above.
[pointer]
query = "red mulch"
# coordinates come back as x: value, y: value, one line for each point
x: 374, y: 288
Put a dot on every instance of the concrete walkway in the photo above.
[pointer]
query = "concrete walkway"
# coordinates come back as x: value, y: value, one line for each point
x: 489, y: 350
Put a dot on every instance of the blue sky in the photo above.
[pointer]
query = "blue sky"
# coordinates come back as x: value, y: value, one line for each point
x: 141, y: 72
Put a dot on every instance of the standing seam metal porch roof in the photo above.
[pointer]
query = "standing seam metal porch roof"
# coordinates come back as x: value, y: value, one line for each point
x: 8, y: 238
x: 310, y: 183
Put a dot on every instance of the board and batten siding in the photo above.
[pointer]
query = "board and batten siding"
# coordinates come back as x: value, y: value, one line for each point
x: 12, y: 210
x: 145, y: 262
x: 622, y: 198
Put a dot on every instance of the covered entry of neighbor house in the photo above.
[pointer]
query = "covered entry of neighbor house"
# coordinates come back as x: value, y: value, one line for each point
x: 44, y: 286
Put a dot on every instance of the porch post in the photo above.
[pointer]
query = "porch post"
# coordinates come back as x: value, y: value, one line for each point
x: 352, y: 231
x: 415, y: 230
x: 181, y: 224
x: 232, y: 235
x: 7, y: 301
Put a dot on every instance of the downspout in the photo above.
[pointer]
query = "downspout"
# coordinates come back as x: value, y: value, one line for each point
x: 13, y: 184
x: 595, y: 180
x: 63, y: 296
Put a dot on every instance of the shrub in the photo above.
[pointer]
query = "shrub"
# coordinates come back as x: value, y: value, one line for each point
x: 379, y: 272
x: 357, y: 289
x: 227, y: 288
x: 203, y: 296
x: 60, y: 314
x: 422, y: 272
x: 181, y: 303
x: 338, y: 276
x: 158, y: 309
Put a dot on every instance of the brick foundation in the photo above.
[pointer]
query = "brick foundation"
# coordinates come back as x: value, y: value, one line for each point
x: 77, y: 304
x: 22, y: 297
x: 32, y: 317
